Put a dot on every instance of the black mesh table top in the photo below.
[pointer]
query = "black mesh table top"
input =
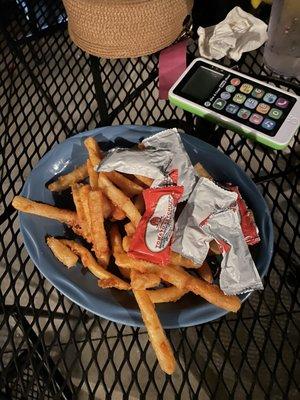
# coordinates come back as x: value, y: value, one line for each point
x: 52, y: 349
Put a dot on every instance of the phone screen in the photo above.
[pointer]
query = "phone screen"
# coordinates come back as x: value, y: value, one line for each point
x: 202, y: 83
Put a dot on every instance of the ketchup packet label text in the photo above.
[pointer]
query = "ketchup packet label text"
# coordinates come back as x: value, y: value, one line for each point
x: 152, y: 238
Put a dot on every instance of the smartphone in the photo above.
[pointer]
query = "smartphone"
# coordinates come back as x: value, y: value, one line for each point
x: 243, y: 104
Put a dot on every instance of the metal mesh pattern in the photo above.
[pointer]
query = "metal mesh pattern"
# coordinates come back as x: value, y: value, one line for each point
x: 51, y: 348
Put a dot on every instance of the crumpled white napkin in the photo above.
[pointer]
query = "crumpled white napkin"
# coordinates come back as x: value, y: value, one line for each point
x: 238, y: 33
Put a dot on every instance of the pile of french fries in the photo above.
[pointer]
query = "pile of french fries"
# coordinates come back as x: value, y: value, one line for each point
x: 109, y: 206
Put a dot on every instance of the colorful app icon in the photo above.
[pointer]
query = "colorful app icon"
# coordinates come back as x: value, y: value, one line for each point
x: 275, y: 113
x: 232, y: 108
x: 282, y: 103
x: 235, y: 81
x: 219, y: 104
x: 244, y: 114
x: 225, y: 95
x: 270, y: 98
x: 263, y: 108
x: 256, y: 119
x: 239, y: 98
x: 258, y: 93
x: 251, y: 103
x: 230, y: 88
x: 268, y: 124
x: 246, y: 88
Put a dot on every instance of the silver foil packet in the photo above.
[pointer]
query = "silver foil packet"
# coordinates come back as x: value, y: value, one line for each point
x: 238, y: 271
x: 207, y: 198
x: 149, y: 162
x: 211, y: 213
x: 170, y: 140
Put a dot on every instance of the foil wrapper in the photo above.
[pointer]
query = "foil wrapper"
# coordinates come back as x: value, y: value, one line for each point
x: 211, y: 213
x: 170, y: 140
x: 149, y: 162
x: 238, y: 271
x: 207, y: 198
x: 248, y: 225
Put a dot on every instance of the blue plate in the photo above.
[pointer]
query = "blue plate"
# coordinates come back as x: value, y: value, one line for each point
x: 115, y: 305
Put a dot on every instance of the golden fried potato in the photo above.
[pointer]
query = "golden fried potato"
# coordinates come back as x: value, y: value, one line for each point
x: 98, y: 270
x: 94, y: 151
x: 141, y: 281
x: 93, y: 175
x: 67, y: 180
x: 166, y: 295
x: 127, y: 186
x: 98, y: 233
x: 45, y: 210
x: 62, y: 252
x: 201, y: 171
x: 157, y: 336
x: 205, y: 273
x: 119, y: 198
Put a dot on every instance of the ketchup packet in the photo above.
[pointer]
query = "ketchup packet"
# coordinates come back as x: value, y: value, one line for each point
x: 152, y: 238
x: 249, y: 228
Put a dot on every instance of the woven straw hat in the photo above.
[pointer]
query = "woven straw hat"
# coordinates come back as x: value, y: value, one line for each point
x: 125, y: 28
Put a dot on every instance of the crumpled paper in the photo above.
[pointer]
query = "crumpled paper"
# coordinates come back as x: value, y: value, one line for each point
x: 238, y: 33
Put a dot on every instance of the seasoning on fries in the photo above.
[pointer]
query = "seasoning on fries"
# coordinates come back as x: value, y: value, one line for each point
x: 111, y: 192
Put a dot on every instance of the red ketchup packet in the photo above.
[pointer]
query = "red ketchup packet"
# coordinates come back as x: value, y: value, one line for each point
x: 152, y: 238
x: 249, y: 228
